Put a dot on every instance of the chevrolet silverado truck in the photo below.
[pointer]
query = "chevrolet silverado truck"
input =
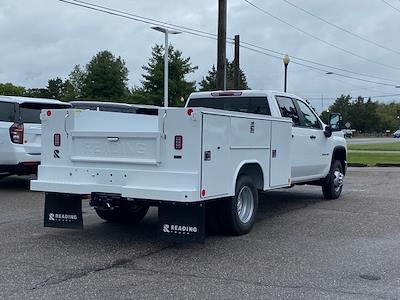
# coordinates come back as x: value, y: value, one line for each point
x: 201, y: 165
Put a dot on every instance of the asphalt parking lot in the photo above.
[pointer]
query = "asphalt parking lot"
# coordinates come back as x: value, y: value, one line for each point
x: 302, y: 247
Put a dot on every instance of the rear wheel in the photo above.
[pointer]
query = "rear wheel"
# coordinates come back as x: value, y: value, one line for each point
x: 332, y: 188
x: 125, y: 213
x: 239, y: 212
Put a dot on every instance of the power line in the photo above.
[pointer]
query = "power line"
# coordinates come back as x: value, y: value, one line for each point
x: 394, y: 7
x: 319, y: 39
x: 137, y: 18
x: 320, y: 69
x: 204, y: 34
x: 341, y: 28
x: 156, y: 22
x: 320, y: 64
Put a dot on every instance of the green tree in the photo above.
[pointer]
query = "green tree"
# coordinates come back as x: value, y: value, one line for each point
x: 209, y: 82
x: 76, y: 83
x: 37, y: 93
x: 152, y: 89
x: 106, y: 77
x: 56, y: 88
x: 8, y: 89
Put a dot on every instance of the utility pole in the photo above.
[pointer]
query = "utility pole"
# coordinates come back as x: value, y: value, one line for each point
x: 221, y: 55
x: 236, y: 75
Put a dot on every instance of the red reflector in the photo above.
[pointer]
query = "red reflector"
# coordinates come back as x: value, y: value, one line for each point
x: 226, y: 94
x: 48, y: 113
x: 178, y: 142
x: 57, y: 139
x: 203, y: 193
x: 189, y: 111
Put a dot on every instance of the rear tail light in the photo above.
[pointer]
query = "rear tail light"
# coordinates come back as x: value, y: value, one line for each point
x: 57, y: 140
x: 178, y: 142
x: 17, y: 133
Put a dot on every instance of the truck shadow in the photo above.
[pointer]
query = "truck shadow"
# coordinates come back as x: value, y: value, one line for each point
x: 20, y: 183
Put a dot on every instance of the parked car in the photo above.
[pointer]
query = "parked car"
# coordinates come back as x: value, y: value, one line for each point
x: 20, y: 132
x: 347, y: 133
x: 396, y: 134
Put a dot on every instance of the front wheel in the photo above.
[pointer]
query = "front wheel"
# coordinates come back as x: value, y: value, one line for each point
x: 332, y: 188
x: 239, y: 211
x: 125, y: 213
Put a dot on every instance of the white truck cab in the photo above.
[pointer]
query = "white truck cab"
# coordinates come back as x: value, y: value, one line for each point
x: 312, y: 147
x: 202, y: 164
x: 20, y: 132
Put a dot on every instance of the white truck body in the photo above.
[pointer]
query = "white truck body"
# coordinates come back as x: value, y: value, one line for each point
x: 213, y: 155
x: 135, y: 156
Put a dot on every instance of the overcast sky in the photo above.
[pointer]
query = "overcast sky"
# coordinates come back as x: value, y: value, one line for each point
x: 42, y: 39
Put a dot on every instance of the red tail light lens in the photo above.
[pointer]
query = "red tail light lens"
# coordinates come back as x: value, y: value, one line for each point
x: 57, y: 140
x: 17, y: 133
x: 178, y: 142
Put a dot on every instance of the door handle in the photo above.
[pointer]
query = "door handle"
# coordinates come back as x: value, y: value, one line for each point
x: 313, y: 137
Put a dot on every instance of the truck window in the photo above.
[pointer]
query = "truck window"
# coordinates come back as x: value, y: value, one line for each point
x: 7, y: 113
x: 310, y: 120
x: 30, y: 112
x: 254, y: 105
x: 30, y: 115
x: 288, y: 109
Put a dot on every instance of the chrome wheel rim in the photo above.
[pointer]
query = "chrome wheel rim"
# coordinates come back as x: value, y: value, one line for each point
x: 338, y: 180
x: 245, y: 204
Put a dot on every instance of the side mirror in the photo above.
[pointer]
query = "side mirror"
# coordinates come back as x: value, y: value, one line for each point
x: 335, y: 122
x: 328, y: 131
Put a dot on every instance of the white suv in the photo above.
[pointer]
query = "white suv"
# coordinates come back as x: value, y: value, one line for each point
x: 20, y: 132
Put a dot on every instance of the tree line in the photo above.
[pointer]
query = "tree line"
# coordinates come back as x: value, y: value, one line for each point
x: 365, y: 115
x: 105, y: 78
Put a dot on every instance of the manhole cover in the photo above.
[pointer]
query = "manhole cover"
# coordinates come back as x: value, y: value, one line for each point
x: 370, y: 277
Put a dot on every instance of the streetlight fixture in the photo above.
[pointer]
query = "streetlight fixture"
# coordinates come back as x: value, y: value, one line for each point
x: 286, y: 61
x: 166, y: 31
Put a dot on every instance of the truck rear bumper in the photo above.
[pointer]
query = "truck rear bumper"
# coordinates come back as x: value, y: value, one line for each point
x: 166, y: 186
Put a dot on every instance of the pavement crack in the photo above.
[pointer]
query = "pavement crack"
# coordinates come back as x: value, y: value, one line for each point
x: 260, y: 283
x: 66, y: 276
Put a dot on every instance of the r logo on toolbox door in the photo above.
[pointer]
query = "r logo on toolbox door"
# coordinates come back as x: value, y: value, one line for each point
x: 166, y: 228
x: 56, y: 153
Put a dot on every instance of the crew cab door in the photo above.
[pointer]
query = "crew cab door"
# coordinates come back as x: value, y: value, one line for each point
x: 308, y: 141
x: 316, y: 145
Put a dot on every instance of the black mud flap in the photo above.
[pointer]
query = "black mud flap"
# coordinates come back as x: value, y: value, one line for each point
x: 182, y: 222
x: 63, y: 211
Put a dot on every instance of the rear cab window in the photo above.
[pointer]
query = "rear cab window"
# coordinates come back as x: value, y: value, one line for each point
x: 254, y: 105
x: 7, y: 112
x: 30, y: 112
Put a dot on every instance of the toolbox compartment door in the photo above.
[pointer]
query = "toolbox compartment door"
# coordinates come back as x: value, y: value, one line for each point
x: 215, y: 155
x: 280, y: 170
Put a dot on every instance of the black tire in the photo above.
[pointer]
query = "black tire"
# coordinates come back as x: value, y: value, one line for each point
x: 127, y: 213
x: 332, y: 188
x: 237, y: 223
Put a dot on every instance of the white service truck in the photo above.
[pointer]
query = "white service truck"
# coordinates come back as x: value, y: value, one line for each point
x: 202, y: 164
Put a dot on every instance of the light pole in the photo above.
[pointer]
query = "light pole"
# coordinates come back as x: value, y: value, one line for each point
x: 286, y: 61
x: 166, y: 32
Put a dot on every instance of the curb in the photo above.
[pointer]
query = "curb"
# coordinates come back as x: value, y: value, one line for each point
x: 387, y: 165
x: 356, y: 165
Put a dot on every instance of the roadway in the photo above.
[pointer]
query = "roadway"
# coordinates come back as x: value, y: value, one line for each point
x: 359, y: 141
x: 302, y: 247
